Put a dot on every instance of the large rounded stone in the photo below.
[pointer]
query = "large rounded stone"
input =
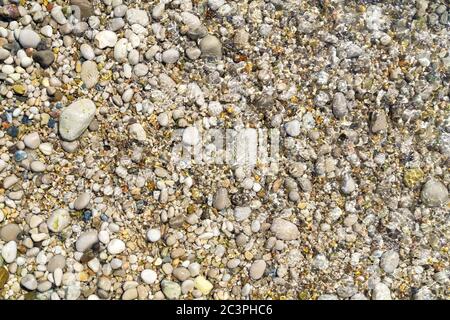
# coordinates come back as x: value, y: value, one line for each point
x: 284, y: 230
x: 58, y: 220
x: 76, y: 118
x: 29, y: 39
x: 434, y: 193
x: 89, y: 74
x: 86, y: 240
x: 210, y: 46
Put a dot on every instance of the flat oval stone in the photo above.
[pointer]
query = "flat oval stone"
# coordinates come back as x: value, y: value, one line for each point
x: 137, y: 16
x: 55, y: 262
x: 87, y: 52
x: 9, y: 252
x: 257, y: 269
x: 149, y: 276
x: 58, y: 220
x: 434, y: 193
x: 181, y: 273
x: 82, y: 201
x: 86, y: 240
x: 284, y: 230
x: 45, y: 58
x: 29, y: 282
x: 116, y: 246
x: 75, y: 119
x: 171, y: 290
x: 210, y: 46
x: 204, y: 285
x: 120, y: 50
x: 89, y: 74
x: 37, y: 166
x: 105, y: 39
x: 9, y: 232
x: 32, y: 140
x: 221, y: 199
x: 29, y: 39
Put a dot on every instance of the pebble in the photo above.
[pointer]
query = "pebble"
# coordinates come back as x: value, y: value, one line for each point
x: 121, y: 50
x: 137, y: 16
x: 20, y: 155
x: 284, y: 230
x: 210, y: 46
x: 130, y: 294
x: 193, y: 53
x: 32, y: 140
x: 86, y: 240
x: 242, y: 213
x: 348, y: 185
x: 29, y: 282
x: 153, y: 235
x: 221, y: 199
x: 381, y: 292
x: 257, y: 269
x: 45, y: 58
x: 241, y: 38
x: 47, y: 31
x: 191, y: 136
x: 137, y: 132
x: 82, y: 201
x: 158, y: 11
x: 378, y: 122
x: 339, y: 105
x: 320, y: 262
x: 171, y: 290
x: 44, y: 286
x: 87, y: 52
x: 9, y: 181
x: 29, y: 39
x: 58, y: 15
x: 4, y: 54
x: 105, y: 39
x: 116, y: 246
x: 75, y: 119
x: 9, y: 252
x: 89, y: 74
x: 69, y: 146
x: 55, y: 262
x: 149, y: 276
x: 58, y: 276
x: 46, y: 148
x: 292, y: 128
x: 37, y: 166
x: 434, y: 193
x: 170, y: 56
x: 58, y: 220
x: 181, y: 273
x: 389, y: 261
x: 94, y: 265
x: 202, y: 284
x: 104, y: 283
x: 103, y: 236
x: 9, y: 232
